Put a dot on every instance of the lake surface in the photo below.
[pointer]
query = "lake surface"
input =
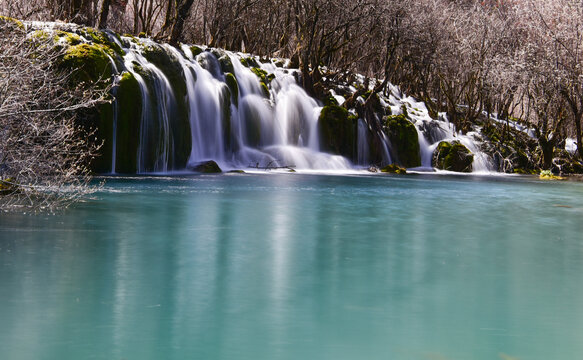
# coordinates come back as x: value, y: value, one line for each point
x: 291, y: 266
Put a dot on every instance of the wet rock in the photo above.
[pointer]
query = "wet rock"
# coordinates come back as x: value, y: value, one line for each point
x: 393, y: 169
x: 337, y: 131
x: 453, y: 156
x: 206, y: 167
x: 404, y: 140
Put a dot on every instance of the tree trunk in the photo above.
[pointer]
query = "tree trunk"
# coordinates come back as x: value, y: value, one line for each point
x: 104, y: 14
x: 182, y: 10
x: 547, y: 148
x: 578, y: 134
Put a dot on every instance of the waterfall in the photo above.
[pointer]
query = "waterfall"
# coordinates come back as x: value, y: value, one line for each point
x: 363, y: 151
x: 173, y: 108
x: 263, y: 118
x: 247, y: 115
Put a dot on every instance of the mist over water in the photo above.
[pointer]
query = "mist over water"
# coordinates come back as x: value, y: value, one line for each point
x: 299, y: 266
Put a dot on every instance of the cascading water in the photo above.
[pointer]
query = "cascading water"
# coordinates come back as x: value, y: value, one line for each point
x: 191, y: 106
x: 248, y: 126
x: 431, y: 132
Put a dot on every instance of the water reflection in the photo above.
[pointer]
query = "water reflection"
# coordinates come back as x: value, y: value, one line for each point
x: 288, y: 267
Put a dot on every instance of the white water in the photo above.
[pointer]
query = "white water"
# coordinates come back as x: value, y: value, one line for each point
x: 278, y: 130
x: 264, y: 132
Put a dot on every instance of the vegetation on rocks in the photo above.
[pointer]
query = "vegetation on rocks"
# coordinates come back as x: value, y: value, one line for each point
x: 404, y: 140
x: 453, y: 156
x: 393, y: 169
x: 47, y: 140
x: 337, y: 131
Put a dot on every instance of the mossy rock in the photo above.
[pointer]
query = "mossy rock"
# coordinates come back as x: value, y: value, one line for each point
x: 102, y: 163
x: 69, y: 38
x: 89, y: 62
x: 169, y: 65
x: 252, y: 125
x: 548, y: 175
x: 249, y: 62
x: 233, y: 85
x: 196, y: 50
x: 404, y: 140
x: 206, y: 167
x: 375, y: 102
x: 16, y: 24
x: 226, y: 64
x: 225, y: 101
x: 129, y: 101
x: 264, y: 89
x: 394, y: 169
x: 179, y: 119
x: 329, y: 100
x: 453, y: 156
x: 337, y: 131
x: 263, y: 75
x: 99, y: 37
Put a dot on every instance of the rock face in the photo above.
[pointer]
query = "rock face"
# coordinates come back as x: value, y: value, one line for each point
x: 206, y: 167
x: 404, y: 140
x: 337, y: 131
x: 128, y: 123
x: 453, y: 156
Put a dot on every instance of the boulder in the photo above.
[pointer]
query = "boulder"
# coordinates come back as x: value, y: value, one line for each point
x: 404, y: 140
x: 453, y: 156
x: 337, y: 131
x: 394, y: 169
x: 206, y: 167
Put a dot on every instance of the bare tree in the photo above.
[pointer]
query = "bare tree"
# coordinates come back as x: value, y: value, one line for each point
x: 45, y: 150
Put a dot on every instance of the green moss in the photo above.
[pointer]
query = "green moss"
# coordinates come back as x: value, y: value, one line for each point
x: 226, y: 64
x: 249, y: 62
x: 99, y: 37
x: 195, y: 50
x: 264, y: 88
x: 404, y: 110
x: 252, y: 128
x: 337, y: 131
x: 404, y: 140
x: 453, y: 156
x: 89, y: 62
x: 102, y: 163
x: 172, y: 69
x: 41, y: 35
x: 129, y: 102
x: 329, y: 100
x: 70, y: 38
x: 262, y: 75
x: 5, y: 20
x: 231, y: 82
x: 225, y: 99
x: 548, y: 175
x: 394, y: 169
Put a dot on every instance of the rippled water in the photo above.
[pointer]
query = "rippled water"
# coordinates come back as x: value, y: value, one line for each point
x: 299, y: 267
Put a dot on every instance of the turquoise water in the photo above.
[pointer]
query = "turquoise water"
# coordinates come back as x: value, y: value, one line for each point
x: 299, y: 267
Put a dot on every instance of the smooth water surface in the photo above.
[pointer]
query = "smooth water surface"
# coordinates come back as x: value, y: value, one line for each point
x: 299, y: 267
